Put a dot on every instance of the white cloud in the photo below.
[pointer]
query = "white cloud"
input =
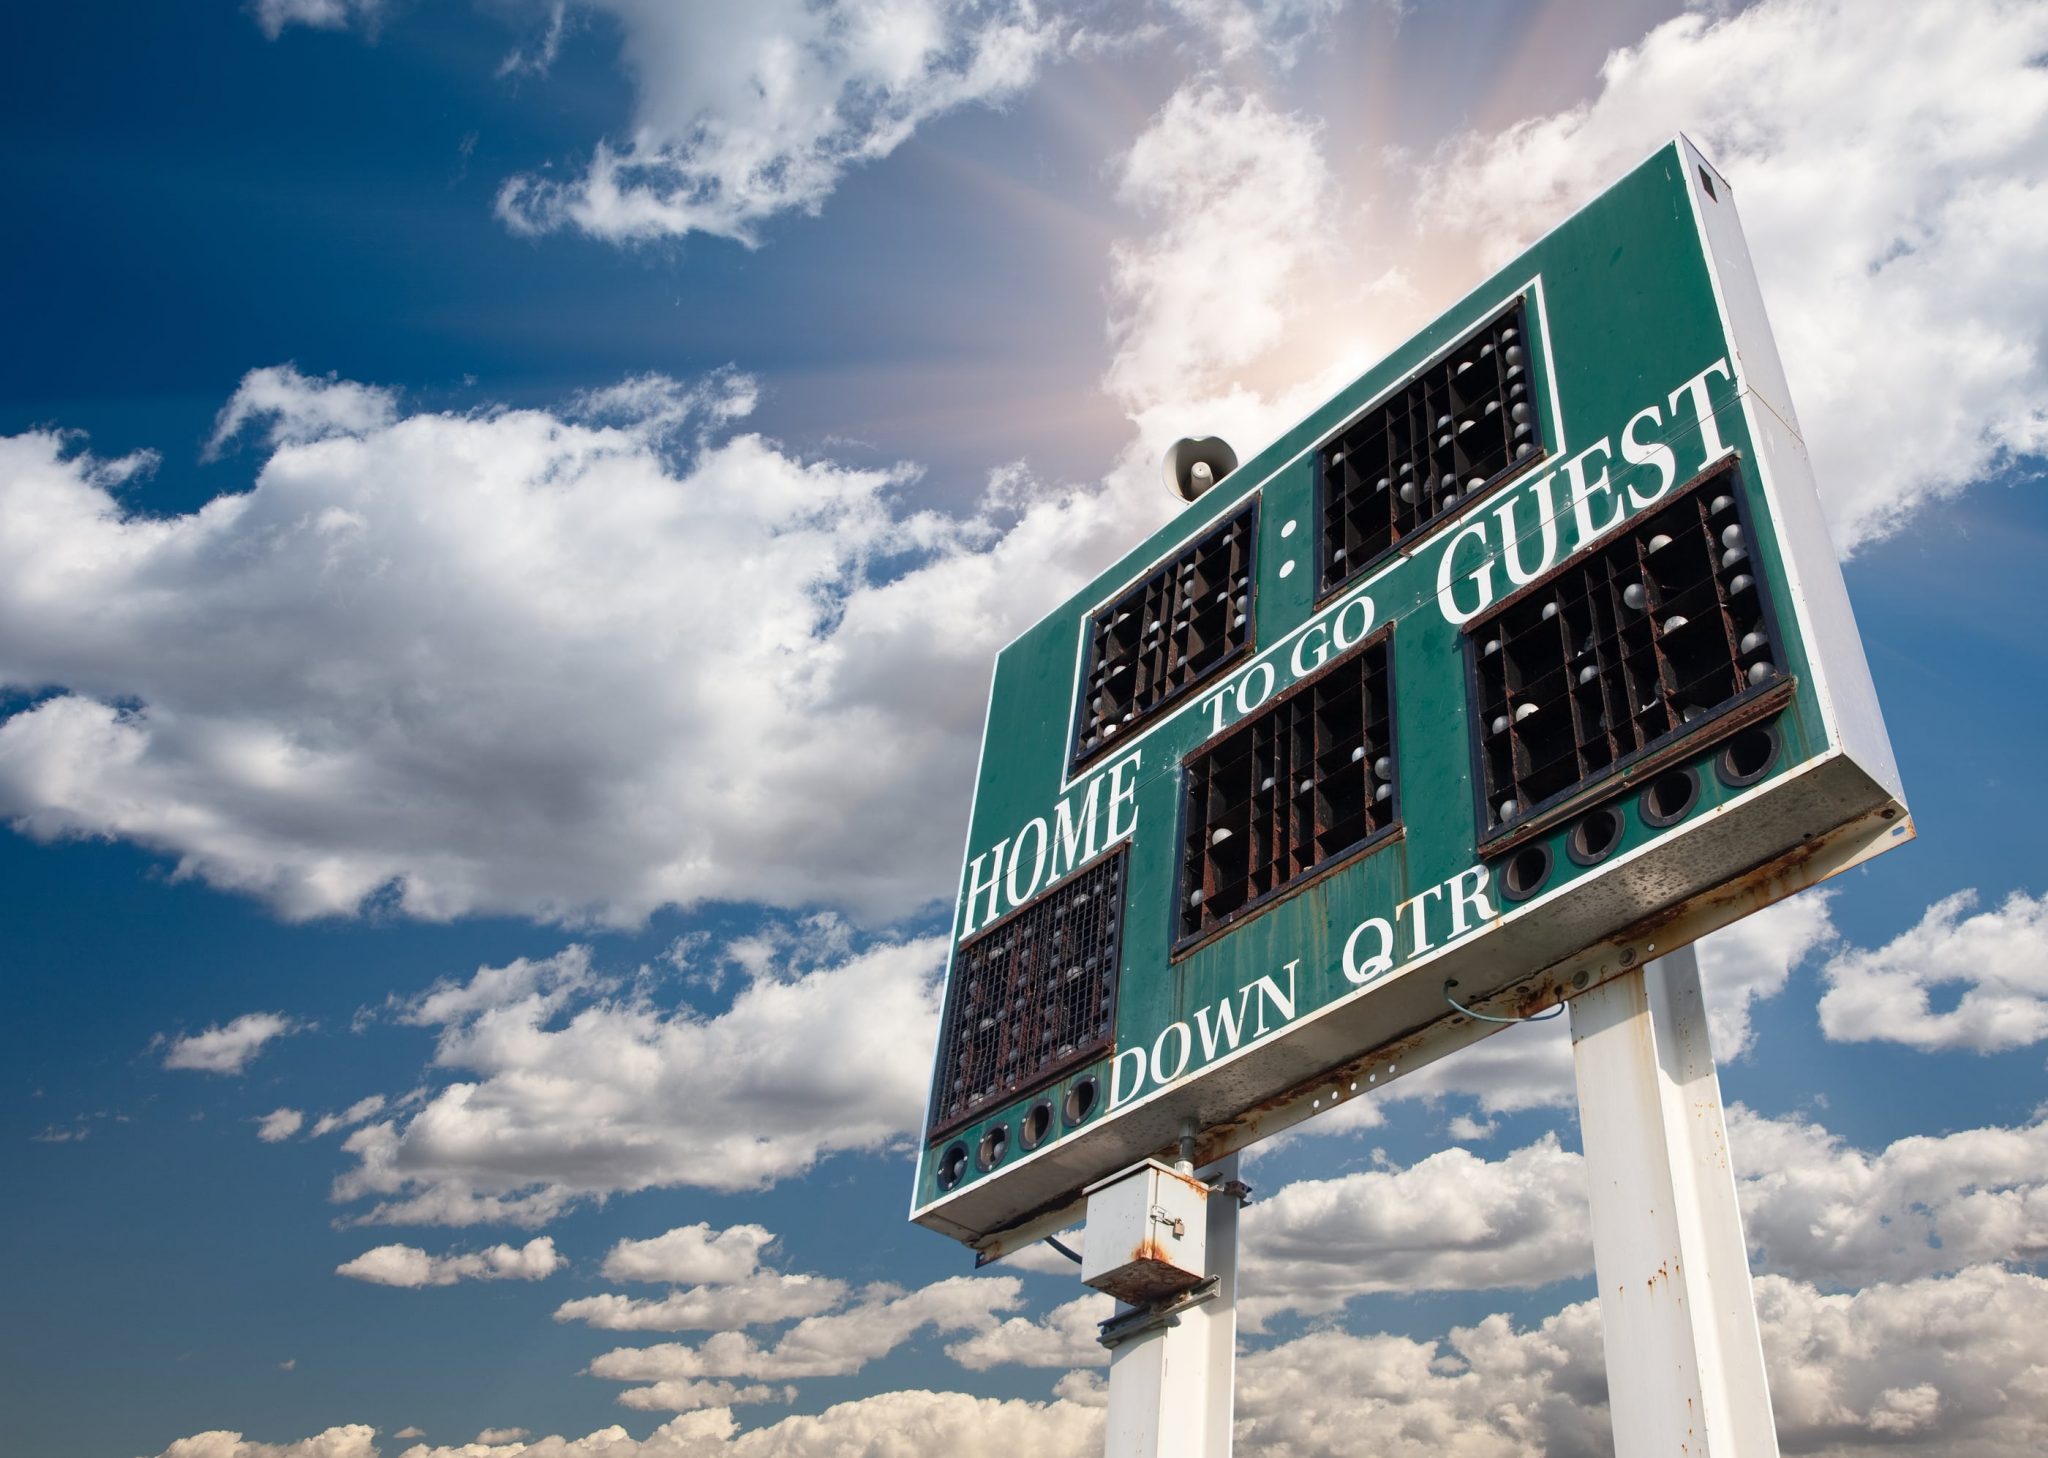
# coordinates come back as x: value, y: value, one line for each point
x: 274, y: 15
x: 1927, y: 1367
x: 1946, y: 1367
x: 519, y: 661
x: 1237, y: 28
x: 744, y: 112
x: 409, y: 1266
x: 761, y: 1299
x: 1815, y: 1209
x: 1893, y: 180
x: 1818, y: 1209
x: 1229, y: 181
x: 491, y: 1436
x: 1066, y: 1336
x: 354, y: 1440
x: 1451, y: 1222
x: 886, y: 1425
x: 300, y: 410
x: 355, y: 1113
x: 563, y: 1100
x: 1749, y: 962
x: 682, y: 1395
x: 279, y: 1125
x: 823, y: 1346
x: 691, y: 1255
x: 229, y: 1048
x: 1996, y: 962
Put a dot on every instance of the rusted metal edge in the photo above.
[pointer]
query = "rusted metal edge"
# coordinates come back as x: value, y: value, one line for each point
x: 1805, y: 865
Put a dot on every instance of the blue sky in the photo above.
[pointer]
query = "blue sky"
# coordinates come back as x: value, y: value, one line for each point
x: 505, y: 513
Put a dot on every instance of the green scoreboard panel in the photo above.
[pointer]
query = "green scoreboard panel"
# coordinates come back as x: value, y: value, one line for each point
x: 1525, y: 657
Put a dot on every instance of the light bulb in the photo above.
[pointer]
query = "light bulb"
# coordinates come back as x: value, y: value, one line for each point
x: 1659, y: 542
x: 1758, y: 672
x: 1753, y: 641
x: 1741, y: 584
x: 1635, y: 597
x: 1383, y: 767
x: 1731, y: 536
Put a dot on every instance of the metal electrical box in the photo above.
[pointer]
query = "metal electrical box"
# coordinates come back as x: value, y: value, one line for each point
x: 1147, y: 1233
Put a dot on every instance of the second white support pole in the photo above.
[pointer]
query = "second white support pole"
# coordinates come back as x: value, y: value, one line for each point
x: 1685, y: 1365
x: 1171, y: 1390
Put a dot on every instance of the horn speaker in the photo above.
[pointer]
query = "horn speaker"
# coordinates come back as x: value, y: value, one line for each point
x: 1193, y: 466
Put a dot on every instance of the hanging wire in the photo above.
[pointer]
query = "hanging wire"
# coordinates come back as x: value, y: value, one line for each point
x: 1542, y: 1017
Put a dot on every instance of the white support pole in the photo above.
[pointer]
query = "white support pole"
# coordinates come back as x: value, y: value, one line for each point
x: 1170, y: 1389
x: 1685, y: 1363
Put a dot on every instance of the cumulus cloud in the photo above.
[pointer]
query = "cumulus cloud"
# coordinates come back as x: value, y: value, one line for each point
x: 744, y: 112
x: 354, y: 1440
x: 279, y: 1125
x: 1817, y: 1208
x: 228, y: 1048
x: 1994, y: 964
x: 763, y: 1298
x: 518, y: 661
x: 1066, y: 1336
x: 888, y: 1423
x: 1946, y: 1366
x: 355, y: 1113
x: 691, y: 1255
x: 834, y: 1345
x: 1893, y: 181
x: 1451, y: 1222
x: 570, y: 1089
x: 1228, y: 180
x: 409, y: 1266
x: 1236, y: 28
x: 1924, y: 1367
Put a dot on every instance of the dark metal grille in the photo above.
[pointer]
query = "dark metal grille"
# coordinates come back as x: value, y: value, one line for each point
x: 1032, y: 996
x: 1633, y: 646
x: 1167, y: 632
x: 1447, y: 435
x: 1301, y: 784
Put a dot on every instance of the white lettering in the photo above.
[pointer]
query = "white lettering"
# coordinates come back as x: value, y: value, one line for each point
x: 1377, y: 965
x: 1116, y: 1076
x: 1187, y: 1046
x: 1703, y: 410
x: 1246, y: 699
x: 1583, y: 491
x: 1654, y: 454
x: 1229, y: 1027
x: 1017, y: 898
x: 1269, y: 990
x: 1321, y: 649
x: 1215, y: 702
x: 1474, y: 898
x: 1422, y: 941
x: 1483, y: 576
x: 1546, y: 516
x: 1074, y: 843
x: 1345, y: 640
x: 975, y: 886
x: 1121, y: 795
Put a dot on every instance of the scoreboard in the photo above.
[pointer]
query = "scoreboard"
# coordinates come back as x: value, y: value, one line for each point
x: 1524, y: 658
